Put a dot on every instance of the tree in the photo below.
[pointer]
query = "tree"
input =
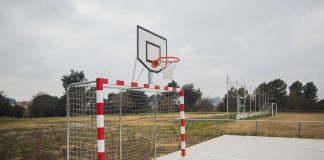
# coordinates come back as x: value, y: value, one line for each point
x: 221, y: 107
x: 277, y: 89
x: 321, y: 104
x: 133, y: 101
x: 164, y: 104
x: 67, y: 79
x: 5, y: 108
x: 310, y: 92
x: 10, y: 110
x: 264, y: 86
x: 173, y: 84
x: 264, y: 89
x: 232, y: 100
x: 61, y: 106
x: 43, y: 105
x: 192, y: 96
x: 19, y: 111
x: 204, y: 105
x: 293, y: 101
x: 296, y: 87
x: 296, y: 99
x: 73, y: 77
x: 241, y: 92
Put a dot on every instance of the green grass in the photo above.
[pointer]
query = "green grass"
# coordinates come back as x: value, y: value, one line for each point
x: 37, y: 138
x: 45, y: 138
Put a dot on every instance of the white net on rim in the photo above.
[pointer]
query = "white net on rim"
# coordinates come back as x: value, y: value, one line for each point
x: 168, y: 67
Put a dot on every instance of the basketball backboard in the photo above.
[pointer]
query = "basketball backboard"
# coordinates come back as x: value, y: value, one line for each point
x: 150, y: 46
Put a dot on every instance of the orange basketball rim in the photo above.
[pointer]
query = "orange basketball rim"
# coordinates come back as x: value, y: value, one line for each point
x: 164, y: 61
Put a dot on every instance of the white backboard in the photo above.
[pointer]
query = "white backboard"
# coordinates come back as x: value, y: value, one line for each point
x: 150, y: 46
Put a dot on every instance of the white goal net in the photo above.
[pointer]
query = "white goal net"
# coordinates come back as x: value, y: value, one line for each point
x: 138, y: 123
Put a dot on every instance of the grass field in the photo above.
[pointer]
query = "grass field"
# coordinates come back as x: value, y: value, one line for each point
x: 45, y: 138
x: 37, y: 138
x: 282, y: 126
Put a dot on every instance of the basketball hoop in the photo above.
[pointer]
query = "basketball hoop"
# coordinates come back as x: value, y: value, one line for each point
x: 167, y: 64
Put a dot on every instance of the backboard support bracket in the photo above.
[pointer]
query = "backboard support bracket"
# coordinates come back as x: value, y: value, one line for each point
x: 150, y: 77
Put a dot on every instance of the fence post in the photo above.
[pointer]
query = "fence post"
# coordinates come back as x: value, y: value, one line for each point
x: 299, y: 130
x: 217, y: 126
x: 256, y: 127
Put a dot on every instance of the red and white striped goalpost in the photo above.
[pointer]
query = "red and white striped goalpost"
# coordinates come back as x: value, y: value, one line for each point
x: 100, y: 117
x: 183, y: 124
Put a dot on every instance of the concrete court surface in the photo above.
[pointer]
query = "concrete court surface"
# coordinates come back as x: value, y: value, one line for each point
x: 230, y: 147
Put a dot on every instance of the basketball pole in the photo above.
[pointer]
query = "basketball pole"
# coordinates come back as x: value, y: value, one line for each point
x: 149, y: 77
x: 134, y: 70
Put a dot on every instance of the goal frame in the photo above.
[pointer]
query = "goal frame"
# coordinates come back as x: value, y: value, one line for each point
x: 100, y: 84
x: 274, y: 106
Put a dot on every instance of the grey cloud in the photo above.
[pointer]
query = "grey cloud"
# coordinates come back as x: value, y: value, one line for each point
x: 252, y: 41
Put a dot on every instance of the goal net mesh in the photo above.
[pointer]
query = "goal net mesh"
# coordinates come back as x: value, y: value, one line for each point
x: 138, y: 124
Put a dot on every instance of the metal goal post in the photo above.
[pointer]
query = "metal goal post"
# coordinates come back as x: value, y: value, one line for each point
x: 119, y: 120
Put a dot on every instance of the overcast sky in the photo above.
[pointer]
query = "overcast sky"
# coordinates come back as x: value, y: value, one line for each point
x: 251, y: 41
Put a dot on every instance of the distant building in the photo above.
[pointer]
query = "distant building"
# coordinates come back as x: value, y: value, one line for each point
x: 216, y: 100
x: 24, y: 104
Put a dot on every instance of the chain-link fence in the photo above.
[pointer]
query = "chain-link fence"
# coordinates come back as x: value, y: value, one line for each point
x: 199, y: 130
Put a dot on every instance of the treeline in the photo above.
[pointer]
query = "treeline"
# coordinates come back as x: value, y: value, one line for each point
x: 9, y: 109
x: 303, y: 97
x: 45, y: 105
x: 300, y: 97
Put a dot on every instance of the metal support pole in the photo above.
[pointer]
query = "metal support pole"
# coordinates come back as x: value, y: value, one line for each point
x: 150, y: 77
x: 155, y: 133
x: 272, y: 109
x: 134, y: 70
x: 259, y: 99
x: 120, y: 127
x: 250, y: 99
x: 217, y: 126
x: 256, y: 127
x: 227, y: 98
x: 265, y: 100
x: 299, y: 130
x: 238, y: 102
x: 68, y: 124
x: 255, y: 100
x: 244, y: 94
